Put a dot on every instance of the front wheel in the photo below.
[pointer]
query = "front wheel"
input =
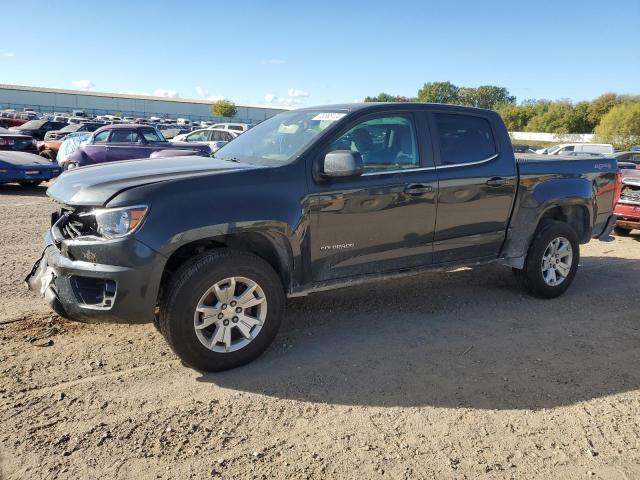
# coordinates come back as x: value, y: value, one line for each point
x: 222, y: 310
x: 552, y: 260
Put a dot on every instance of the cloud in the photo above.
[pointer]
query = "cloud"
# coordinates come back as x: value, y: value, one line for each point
x: 294, y: 92
x: 160, y: 92
x: 271, y: 98
x: 273, y: 61
x: 204, y: 93
x: 6, y: 54
x: 83, y: 84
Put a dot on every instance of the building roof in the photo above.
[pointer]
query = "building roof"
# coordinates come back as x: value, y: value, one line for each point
x: 127, y: 96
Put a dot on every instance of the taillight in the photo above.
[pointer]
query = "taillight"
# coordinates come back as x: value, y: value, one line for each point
x: 6, y: 141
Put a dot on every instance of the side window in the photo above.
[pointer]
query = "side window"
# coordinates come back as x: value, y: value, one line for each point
x: 570, y: 148
x: 127, y: 136
x: 464, y: 138
x: 385, y: 143
x: 102, y: 136
x: 197, y: 137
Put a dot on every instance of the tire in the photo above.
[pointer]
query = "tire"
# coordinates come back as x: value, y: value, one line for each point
x: 195, y: 281
x: 532, y: 278
x: 621, y: 231
x: 35, y: 183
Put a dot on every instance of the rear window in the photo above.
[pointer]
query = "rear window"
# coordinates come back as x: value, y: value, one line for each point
x: 464, y: 138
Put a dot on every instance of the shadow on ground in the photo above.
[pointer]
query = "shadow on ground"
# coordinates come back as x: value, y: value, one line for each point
x: 15, y: 189
x: 464, y: 339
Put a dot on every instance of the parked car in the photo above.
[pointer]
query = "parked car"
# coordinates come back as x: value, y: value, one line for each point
x: 565, y: 148
x: 27, y: 169
x: 12, y: 119
x: 215, y: 138
x: 70, y: 144
x: 75, y: 127
x: 309, y: 200
x: 236, y: 127
x: 628, y: 205
x: 60, y: 118
x: 38, y: 128
x: 125, y: 142
x: 630, y: 159
x: 16, y: 142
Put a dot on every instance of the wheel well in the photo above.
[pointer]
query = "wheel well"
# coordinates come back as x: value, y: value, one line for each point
x: 576, y: 216
x: 256, y: 243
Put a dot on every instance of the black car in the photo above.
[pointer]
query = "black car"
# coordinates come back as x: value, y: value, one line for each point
x: 310, y: 200
x: 10, y: 140
x: 78, y: 127
x: 38, y: 128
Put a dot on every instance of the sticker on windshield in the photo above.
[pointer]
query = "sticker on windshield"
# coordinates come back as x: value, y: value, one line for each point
x: 330, y: 116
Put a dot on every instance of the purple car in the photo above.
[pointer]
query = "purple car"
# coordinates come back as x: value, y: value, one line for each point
x: 112, y: 143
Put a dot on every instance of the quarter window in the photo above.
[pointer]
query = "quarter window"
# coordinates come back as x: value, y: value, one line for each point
x: 464, y: 138
x: 385, y: 143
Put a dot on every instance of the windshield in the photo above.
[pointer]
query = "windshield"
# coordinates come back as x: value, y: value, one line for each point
x: 280, y: 138
x: 552, y: 150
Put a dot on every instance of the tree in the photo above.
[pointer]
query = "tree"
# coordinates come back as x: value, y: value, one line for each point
x: 439, y: 92
x: 600, y: 106
x: 385, y: 97
x: 223, y: 108
x: 485, y: 96
x: 620, y: 126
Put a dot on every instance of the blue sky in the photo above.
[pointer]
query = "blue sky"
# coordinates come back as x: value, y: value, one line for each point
x: 312, y: 53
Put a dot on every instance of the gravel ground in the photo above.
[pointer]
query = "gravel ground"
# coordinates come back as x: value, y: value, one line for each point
x: 445, y: 375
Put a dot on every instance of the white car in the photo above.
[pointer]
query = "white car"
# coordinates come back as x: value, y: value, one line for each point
x: 566, y: 148
x: 215, y: 138
x: 234, y: 127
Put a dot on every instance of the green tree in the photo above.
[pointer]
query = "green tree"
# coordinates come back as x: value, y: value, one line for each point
x: 600, y: 106
x: 515, y: 117
x: 223, y: 108
x: 386, y: 97
x: 485, y: 96
x: 620, y: 126
x: 439, y: 92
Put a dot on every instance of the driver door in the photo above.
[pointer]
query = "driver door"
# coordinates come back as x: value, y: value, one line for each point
x: 383, y: 220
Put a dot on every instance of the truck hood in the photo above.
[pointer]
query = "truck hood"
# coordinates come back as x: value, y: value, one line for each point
x: 95, y: 185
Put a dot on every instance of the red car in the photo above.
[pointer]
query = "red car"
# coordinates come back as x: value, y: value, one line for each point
x: 627, y: 202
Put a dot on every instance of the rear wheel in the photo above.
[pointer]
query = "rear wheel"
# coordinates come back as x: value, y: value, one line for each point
x: 222, y: 310
x: 552, y: 260
x: 621, y: 231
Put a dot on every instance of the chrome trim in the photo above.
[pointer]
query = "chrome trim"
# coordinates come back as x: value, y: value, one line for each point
x: 488, y: 159
x: 421, y: 169
x: 403, y: 170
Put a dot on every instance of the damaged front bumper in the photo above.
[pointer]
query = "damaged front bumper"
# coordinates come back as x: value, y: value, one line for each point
x: 115, y: 280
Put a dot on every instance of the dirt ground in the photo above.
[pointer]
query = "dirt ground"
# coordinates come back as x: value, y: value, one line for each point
x: 445, y: 375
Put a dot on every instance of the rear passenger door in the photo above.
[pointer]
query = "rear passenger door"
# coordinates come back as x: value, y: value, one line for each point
x: 477, y: 182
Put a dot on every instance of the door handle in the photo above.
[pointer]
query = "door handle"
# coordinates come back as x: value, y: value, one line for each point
x: 418, y: 189
x: 496, y: 182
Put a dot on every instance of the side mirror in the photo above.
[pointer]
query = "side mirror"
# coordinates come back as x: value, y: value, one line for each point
x: 342, y: 163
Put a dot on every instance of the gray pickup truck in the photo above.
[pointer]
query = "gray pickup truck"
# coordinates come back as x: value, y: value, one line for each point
x: 310, y: 200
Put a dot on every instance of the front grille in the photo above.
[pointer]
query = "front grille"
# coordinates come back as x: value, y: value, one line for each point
x: 72, y: 224
x: 630, y: 193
